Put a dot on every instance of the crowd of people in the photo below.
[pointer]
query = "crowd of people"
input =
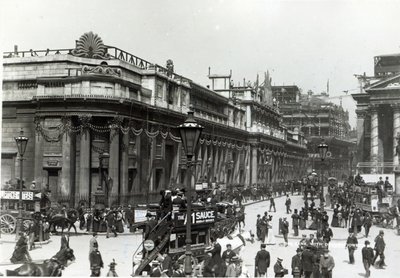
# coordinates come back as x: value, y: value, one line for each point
x: 312, y: 255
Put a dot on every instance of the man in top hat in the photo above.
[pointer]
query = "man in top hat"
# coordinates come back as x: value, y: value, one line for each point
x: 367, y: 257
x: 379, y: 249
x: 326, y: 265
x: 279, y: 270
x: 295, y: 222
x: 262, y: 262
x: 296, y: 263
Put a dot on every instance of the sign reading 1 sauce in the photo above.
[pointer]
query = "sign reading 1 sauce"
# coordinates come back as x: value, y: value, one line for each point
x: 206, y: 216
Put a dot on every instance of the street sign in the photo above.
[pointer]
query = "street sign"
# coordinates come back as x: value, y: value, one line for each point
x: 148, y: 245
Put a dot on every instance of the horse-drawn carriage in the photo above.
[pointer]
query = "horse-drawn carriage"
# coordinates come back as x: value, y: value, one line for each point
x: 9, y: 209
x: 378, y: 204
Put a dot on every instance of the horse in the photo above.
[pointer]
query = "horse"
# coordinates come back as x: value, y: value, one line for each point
x: 215, y: 265
x: 63, y: 222
x: 49, y: 268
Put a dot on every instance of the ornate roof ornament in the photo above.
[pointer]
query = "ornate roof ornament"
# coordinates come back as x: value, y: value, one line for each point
x: 90, y: 45
x: 101, y: 70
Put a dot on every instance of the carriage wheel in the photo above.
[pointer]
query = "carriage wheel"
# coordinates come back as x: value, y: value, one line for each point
x: 25, y: 225
x: 7, y: 223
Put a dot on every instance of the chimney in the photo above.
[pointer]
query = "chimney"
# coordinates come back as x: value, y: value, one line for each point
x: 209, y: 71
x: 15, y: 49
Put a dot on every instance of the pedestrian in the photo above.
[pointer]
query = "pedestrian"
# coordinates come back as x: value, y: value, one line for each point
x: 262, y: 262
x: 327, y: 264
x: 327, y: 234
x: 167, y: 264
x: 96, y: 262
x: 110, y: 220
x: 351, y: 245
x: 379, y: 250
x: 32, y: 230
x: 296, y: 264
x: 21, y: 253
x: 258, y: 227
x: 272, y: 203
x: 279, y: 270
x: 231, y: 270
x: 367, y: 257
x: 228, y: 253
x: 285, y: 230
x: 307, y: 261
x: 93, y: 243
x: 81, y: 215
x: 264, y: 227
x: 129, y: 217
x: 288, y: 203
x: 111, y: 272
x: 367, y: 223
x: 295, y: 222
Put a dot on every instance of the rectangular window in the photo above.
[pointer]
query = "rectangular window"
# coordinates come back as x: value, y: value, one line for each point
x: 159, y: 90
x: 158, y: 185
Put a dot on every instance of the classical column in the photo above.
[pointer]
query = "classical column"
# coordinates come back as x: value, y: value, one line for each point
x: 361, y: 114
x: 374, y: 134
x: 84, y: 166
x: 113, y: 168
x: 65, y: 188
x: 247, y: 166
x: 38, y: 174
x: 254, y: 164
x: 396, y: 131
x: 125, y: 168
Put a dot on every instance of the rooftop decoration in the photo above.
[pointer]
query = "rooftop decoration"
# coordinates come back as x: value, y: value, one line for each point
x: 90, y: 45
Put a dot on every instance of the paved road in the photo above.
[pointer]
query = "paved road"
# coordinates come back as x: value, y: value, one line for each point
x: 337, y: 247
x: 122, y: 248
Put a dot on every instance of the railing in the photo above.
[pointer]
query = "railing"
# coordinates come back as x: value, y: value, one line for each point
x: 122, y: 55
x: 36, y: 53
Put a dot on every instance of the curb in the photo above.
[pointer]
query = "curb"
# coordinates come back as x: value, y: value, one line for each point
x: 14, y: 241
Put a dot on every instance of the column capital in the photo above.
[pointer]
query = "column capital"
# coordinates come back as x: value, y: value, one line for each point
x: 361, y: 113
x: 395, y: 107
x: 373, y: 107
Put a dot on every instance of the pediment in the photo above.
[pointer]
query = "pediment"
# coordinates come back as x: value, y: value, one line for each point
x: 388, y: 83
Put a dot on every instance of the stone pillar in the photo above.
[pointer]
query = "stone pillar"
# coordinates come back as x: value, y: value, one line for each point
x: 396, y: 132
x: 84, y: 167
x: 254, y: 165
x: 361, y: 114
x: 374, y: 134
x: 113, y: 167
x: 65, y: 189
x: 247, y: 180
x: 125, y: 168
x: 38, y: 171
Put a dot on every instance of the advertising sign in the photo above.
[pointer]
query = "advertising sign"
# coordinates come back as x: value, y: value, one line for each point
x: 14, y: 195
x: 198, y: 217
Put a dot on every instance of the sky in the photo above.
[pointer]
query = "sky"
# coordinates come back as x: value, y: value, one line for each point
x: 305, y: 43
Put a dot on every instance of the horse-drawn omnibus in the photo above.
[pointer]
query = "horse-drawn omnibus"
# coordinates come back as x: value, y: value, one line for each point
x: 9, y: 208
x: 170, y: 233
x: 367, y: 197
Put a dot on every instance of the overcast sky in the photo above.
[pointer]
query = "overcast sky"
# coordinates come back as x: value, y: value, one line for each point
x: 299, y: 42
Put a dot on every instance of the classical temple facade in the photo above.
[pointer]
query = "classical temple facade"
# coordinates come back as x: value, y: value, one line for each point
x: 378, y: 116
x: 98, y: 117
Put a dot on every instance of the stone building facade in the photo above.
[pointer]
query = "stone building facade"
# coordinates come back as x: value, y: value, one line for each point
x: 77, y: 105
x: 378, y: 116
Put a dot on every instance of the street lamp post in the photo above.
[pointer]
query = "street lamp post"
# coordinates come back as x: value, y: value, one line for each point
x: 22, y: 142
x: 323, y: 149
x: 268, y: 156
x: 190, y: 132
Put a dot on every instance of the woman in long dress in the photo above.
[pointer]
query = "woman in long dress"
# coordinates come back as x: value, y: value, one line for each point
x: 271, y: 237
